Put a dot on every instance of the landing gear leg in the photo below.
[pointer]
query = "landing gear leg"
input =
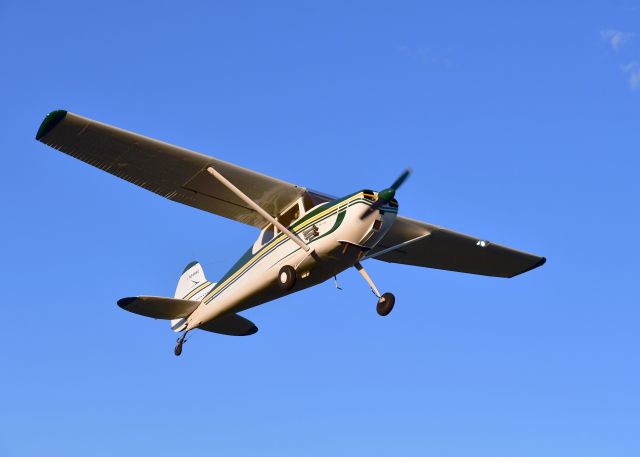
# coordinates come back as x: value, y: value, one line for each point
x: 385, y: 301
x: 178, y: 349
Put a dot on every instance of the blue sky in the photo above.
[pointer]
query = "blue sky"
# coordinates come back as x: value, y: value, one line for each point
x: 520, y: 121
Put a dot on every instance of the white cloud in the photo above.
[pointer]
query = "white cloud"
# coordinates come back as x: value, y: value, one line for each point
x: 615, y: 38
x: 633, y: 71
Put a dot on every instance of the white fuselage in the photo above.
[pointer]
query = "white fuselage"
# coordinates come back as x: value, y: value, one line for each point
x: 338, y: 237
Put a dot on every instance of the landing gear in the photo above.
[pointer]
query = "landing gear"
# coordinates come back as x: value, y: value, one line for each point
x: 178, y: 349
x: 385, y: 303
x: 287, y: 277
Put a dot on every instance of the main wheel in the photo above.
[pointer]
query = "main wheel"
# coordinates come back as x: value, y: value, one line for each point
x: 287, y: 277
x: 385, y: 304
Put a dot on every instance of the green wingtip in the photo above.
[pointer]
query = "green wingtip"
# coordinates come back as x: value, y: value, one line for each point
x: 50, y: 121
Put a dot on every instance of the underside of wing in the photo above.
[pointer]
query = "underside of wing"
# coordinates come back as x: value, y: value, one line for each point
x: 170, y: 171
x: 421, y: 244
x: 230, y: 324
x: 158, y: 307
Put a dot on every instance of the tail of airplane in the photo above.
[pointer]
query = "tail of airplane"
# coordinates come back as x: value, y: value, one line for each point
x: 192, y: 285
x: 191, y: 290
x: 192, y: 277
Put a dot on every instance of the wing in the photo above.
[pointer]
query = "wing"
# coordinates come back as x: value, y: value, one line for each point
x: 426, y: 245
x: 173, y: 172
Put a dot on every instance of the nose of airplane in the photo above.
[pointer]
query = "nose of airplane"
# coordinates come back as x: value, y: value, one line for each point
x: 386, y: 195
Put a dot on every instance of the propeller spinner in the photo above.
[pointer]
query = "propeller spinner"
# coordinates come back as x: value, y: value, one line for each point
x: 386, y: 195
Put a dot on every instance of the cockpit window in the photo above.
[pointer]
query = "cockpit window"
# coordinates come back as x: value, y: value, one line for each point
x: 288, y: 217
x: 308, y: 203
x: 267, y: 235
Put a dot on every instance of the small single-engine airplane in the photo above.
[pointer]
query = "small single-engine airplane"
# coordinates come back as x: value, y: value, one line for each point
x: 305, y: 238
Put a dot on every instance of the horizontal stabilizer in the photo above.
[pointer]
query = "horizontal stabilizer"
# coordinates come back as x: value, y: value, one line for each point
x: 158, y: 307
x: 230, y: 324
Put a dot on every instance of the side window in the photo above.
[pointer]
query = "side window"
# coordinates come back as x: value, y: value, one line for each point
x: 308, y: 203
x: 267, y: 235
x: 291, y: 215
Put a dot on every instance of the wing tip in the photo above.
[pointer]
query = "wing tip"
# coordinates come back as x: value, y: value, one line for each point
x: 539, y: 263
x: 50, y: 121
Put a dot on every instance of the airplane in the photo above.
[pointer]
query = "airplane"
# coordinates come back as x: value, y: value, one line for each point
x: 306, y: 237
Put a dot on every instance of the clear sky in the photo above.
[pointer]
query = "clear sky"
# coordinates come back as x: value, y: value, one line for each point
x: 521, y: 122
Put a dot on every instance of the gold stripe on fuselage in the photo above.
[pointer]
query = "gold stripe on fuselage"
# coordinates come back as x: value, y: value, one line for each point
x: 202, y: 286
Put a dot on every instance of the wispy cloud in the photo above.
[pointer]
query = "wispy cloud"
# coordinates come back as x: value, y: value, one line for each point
x: 615, y: 38
x: 633, y: 73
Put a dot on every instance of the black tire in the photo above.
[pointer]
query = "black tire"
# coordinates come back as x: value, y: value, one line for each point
x: 287, y: 277
x: 385, y: 304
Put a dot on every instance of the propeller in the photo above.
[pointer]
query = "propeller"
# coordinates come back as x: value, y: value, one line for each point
x: 386, y: 195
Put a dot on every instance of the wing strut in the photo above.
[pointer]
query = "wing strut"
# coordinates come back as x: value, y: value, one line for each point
x: 257, y: 208
x: 397, y: 246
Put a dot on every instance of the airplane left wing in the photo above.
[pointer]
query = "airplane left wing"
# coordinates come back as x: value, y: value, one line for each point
x: 426, y: 245
x: 170, y: 171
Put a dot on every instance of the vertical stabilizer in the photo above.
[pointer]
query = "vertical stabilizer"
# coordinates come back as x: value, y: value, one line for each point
x: 192, y: 285
x: 192, y: 277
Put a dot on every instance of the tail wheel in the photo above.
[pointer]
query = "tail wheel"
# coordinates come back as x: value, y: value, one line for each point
x: 385, y: 303
x: 287, y: 277
x: 178, y: 349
